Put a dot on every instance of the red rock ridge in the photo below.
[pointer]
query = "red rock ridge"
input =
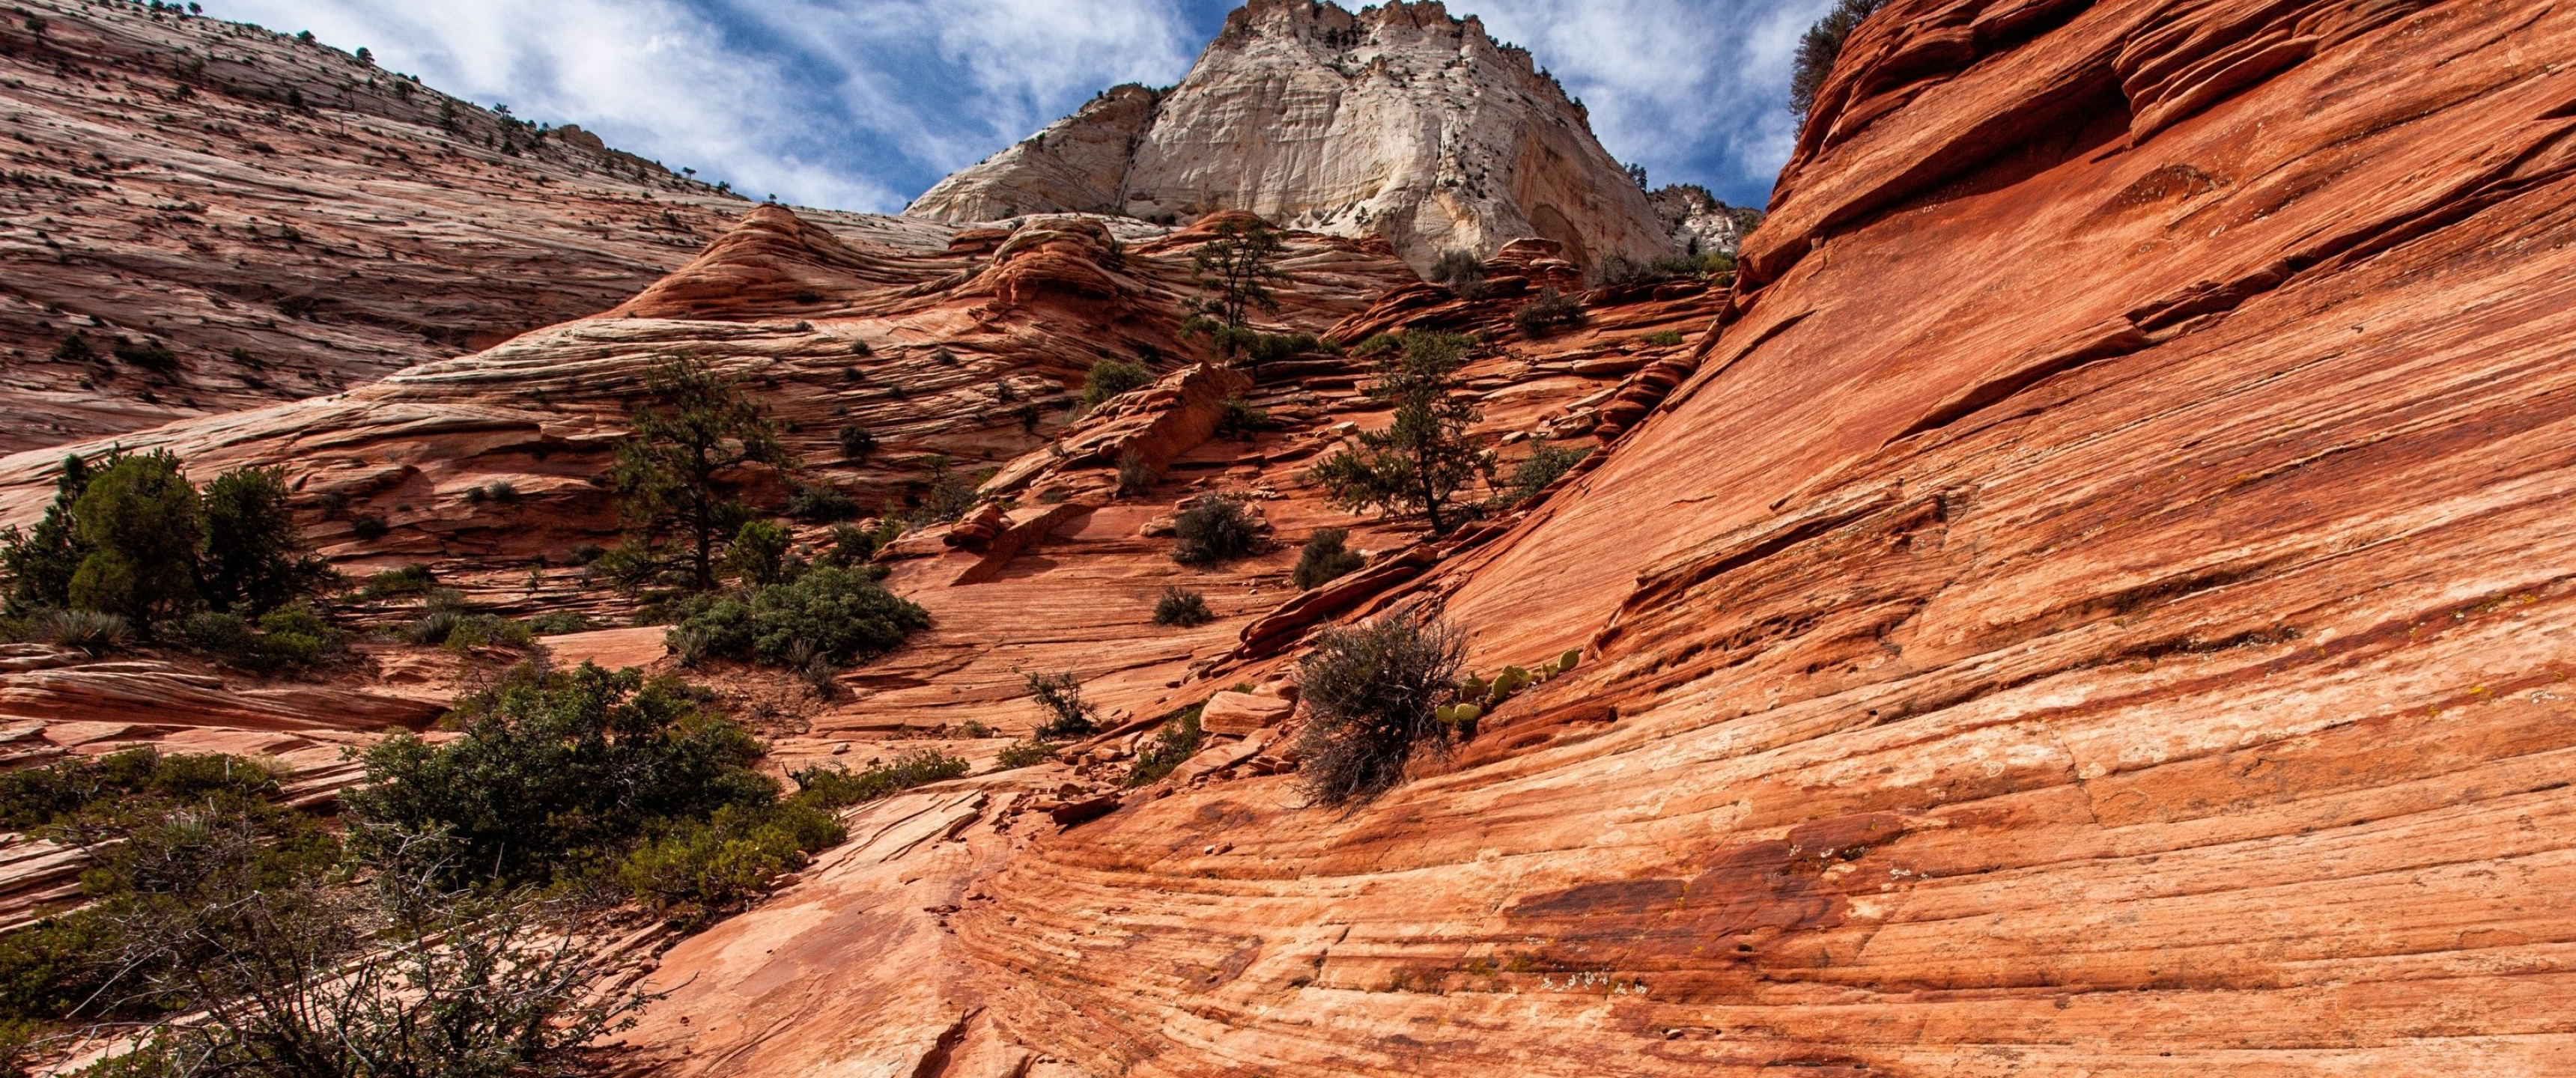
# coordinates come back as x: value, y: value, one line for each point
x: 2101, y: 605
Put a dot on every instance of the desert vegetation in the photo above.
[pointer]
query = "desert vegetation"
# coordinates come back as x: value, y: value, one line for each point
x: 694, y: 429
x: 1372, y: 694
x: 1425, y: 457
x: 448, y: 925
x: 1819, y: 47
x: 1214, y: 530
x: 1325, y: 558
x: 129, y: 550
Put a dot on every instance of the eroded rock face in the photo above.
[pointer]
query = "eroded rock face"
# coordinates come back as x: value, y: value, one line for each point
x: 260, y: 219
x: 2100, y: 605
x: 1697, y: 222
x: 1399, y: 121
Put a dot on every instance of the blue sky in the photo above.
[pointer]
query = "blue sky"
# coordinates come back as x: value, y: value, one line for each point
x: 863, y: 104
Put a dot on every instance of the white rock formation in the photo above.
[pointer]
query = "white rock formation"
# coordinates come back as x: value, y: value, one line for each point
x: 1695, y: 221
x: 1399, y: 121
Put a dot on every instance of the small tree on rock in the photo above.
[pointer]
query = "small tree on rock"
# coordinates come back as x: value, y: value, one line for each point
x: 694, y: 427
x: 255, y: 559
x: 1237, y: 268
x: 1419, y: 463
x: 140, y: 522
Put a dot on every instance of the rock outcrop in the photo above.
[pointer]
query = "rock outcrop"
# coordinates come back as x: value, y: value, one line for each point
x: 1696, y: 221
x: 2142, y: 649
x: 1399, y: 122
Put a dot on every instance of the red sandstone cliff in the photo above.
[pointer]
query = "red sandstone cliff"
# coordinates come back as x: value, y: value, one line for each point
x: 2101, y: 605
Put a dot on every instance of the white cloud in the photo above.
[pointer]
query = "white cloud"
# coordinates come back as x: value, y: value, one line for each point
x: 852, y: 104
x: 1691, y: 89
x: 860, y: 104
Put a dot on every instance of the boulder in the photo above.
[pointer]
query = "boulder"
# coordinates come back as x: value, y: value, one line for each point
x: 1243, y: 712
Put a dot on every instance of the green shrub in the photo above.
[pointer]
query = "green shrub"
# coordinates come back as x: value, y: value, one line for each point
x: 557, y: 774
x: 1027, y: 753
x: 1547, y: 461
x: 1663, y: 339
x: 1240, y: 419
x: 1178, y: 740
x: 697, y: 869
x: 147, y: 818
x: 1060, y: 696
x: 820, y: 502
x: 1376, y: 345
x: 946, y: 495
x: 142, y: 527
x: 1181, y: 606
x: 856, y: 443
x: 848, y: 545
x: 1254, y: 349
x: 1135, y: 477
x: 445, y: 621
x: 255, y: 559
x: 1620, y: 272
x: 408, y: 580
x: 1111, y: 377
x: 834, y: 787
x: 75, y: 349
x: 286, y: 639
x: 369, y: 526
x: 584, y: 553
x: 829, y: 613
x: 559, y: 623
x: 1325, y: 558
x: 1370, y: 692
x: 88, y: 630
x: 1215, y: 530
x: 1460, y: 272
x: 40, y: 797
x: 758, y: 554
x: 41, y: 560
x: 1547, y: 313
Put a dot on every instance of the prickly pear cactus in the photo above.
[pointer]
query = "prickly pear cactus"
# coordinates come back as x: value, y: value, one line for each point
x: 1566, y: 661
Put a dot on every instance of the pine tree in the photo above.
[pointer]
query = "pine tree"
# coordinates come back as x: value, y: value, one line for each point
x: 140, y: 522
x: 694, y: 427
x: 255, y: 560
x: 1419, y: 463
x: 40, y: 562
x: 1237, y: 268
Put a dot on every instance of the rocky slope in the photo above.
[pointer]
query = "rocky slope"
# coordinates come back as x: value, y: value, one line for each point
x: 2142, y: 650
x: 255, y: 218
x: 2095, y: 600
x: 1399, y: 122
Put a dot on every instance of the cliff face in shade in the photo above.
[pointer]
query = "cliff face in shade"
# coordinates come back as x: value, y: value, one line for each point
x: 1399, y: 121
x: 2102, y: 604
x: 282, y: 219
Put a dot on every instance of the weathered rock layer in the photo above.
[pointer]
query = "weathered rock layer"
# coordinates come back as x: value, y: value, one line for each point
x: 222, y: 217
x: 2101, y: 605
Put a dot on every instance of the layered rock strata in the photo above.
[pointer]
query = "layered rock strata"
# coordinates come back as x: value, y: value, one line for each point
x: 222, y: 217
x: 2142, y: 649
